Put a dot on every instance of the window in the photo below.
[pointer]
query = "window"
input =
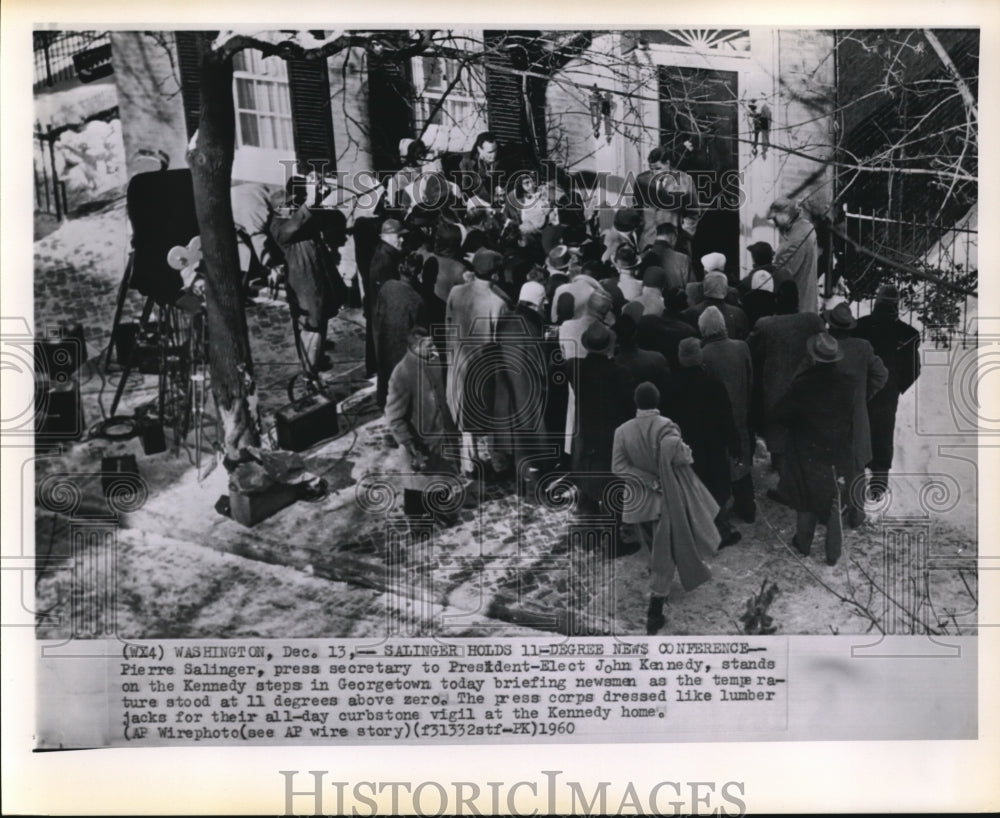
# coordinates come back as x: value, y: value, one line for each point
x: 454, y: 123
x: 263, y: 103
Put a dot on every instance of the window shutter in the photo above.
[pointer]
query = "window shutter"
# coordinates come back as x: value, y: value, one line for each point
x: 312, y: 126
x: 390, y: 105
x: 190, y: 47
x: 505, y: 98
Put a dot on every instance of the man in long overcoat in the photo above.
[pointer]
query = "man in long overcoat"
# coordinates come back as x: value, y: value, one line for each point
x: 797, y: 254
x: 471, y: 316
x: 398, y: 309
x: 672, y: 511
x: 868, y: 374
x: 699, y: 404
x: 728, y: 360
x: 522, y: 381
x: 603, y: 392
x: 778, y: 347
x: 898, y: 345
x: 818, y: 410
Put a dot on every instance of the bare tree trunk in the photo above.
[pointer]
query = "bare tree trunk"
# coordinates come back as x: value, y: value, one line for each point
x: 210, y: 156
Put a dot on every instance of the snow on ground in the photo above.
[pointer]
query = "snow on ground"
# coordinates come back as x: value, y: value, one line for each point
x: 171, y: 583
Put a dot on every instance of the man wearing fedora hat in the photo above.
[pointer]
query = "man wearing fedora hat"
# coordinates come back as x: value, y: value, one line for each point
x: 818, y: 411
x: 868, y: 375
x: 623, y: 286
x: 898, y: 345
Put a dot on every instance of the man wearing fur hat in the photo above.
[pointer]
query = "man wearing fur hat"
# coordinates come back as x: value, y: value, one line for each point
x: 818, y: 410
x: 797, y: 254
x: 898, y: 345
x: 728, y: 360
x: 715, y: 289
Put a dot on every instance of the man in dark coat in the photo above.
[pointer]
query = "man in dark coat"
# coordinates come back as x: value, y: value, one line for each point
x: 383, y: 266
x: 398, y: 309
x: 898, y: 345
x: 663, y: 333
x: 642, y: 364
x: 868, y: 374
x: 778, y: 347
x: 308, y: 237
x: 603, y: 391
x: 662, y: 253
x: 729, y: 361
x: 699, y: 404
x: 818, y: 411
x: 522, y: 382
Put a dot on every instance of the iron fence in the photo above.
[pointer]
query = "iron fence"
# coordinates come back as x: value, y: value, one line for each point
x: 934, y: 264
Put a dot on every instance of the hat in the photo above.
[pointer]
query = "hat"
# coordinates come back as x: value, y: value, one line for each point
x: 597, y: 338
x: 715, y: 285
x: 559, y: 257
x: 782, y: 205
x: 532, y: 292
x: 887, y: 294
x: 486, y: 262
x: 840, y: 317
x: 762, y: 280
x: 633, y: 310
x: 711, y: 323
x: 654, y: 277
x: 761, y: 252
x: 824, y: 349
x: 646, y: 396
x: 689, y: 352
x: 627, y: 219
x: 626, y: 258
x: 392, y: 227
x: 714, y: 263
x: 404, y: 147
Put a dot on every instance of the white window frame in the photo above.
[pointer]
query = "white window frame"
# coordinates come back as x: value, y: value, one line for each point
x: 463, y: 113
x: 252, y: 162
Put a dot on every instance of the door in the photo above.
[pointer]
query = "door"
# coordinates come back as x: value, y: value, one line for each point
x: 699, y: 106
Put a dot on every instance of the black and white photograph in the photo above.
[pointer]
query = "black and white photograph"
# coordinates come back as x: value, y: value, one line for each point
x: 493, y: 365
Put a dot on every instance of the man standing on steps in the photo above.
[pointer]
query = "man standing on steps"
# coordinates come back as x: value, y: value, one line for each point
x: 898, y: 345
x: 797, y: 254
x: 672, y: 511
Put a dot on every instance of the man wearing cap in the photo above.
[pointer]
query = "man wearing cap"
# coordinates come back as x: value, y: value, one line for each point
x: 603, y: 392
x: 626, y: 230
x: 868, y: 375
x: 521, y: 388
x: 818, y: 411
x: 778, y: 347
x: 715, y: 288
x: 663, y: 253
x: 898, y: 345
x: 670, y: 509
x: 471, y: 316
x: 797, y: 253
x: 699, y: 404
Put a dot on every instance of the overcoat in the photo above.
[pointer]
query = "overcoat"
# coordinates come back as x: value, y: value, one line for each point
x: 522, y: 381
x: 398, y: 309
x: 649, y: 450
x: 797, y: 256
x: 729, y: 361
x: 778, y: 348
x: 868, y: 375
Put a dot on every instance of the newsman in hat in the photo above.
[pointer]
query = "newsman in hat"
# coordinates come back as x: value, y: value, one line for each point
x: 818, y: 411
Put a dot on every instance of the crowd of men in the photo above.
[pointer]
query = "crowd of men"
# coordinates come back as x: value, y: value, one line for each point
x: 511, y: 336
